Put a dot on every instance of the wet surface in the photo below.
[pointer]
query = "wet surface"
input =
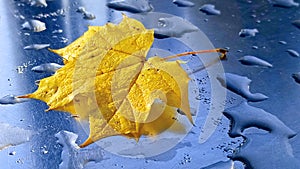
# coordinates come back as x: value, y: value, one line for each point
x: 266, y: 129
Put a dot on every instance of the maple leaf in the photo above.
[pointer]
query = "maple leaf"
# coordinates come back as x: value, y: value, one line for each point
x: 107, y: 80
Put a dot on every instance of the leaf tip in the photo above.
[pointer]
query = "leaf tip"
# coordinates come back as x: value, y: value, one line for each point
x: 124, y: 15
x: 86, y: 143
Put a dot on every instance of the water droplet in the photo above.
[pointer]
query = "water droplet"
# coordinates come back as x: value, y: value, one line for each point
x: 39, y: 3
x: 296, y: 23
x: 259, y: 118
x: 81, y: 9
x: 173, y: 27
x: 47, y: 68
x: 161, y: 23
x: 198, y: 97
x: 254, y: 61
x: 240, y: 85
x: 296, y: 77
x: 72, y: 156
x: 64, y: 40
x: 257, y: 144
x: 20, y: 161
x: 57, y: 31
x: 36, y: 46
x: 34, y: 25
x: 282, y: 42
x: 12, y: 153
x: 88, y: 16
x: 183, y: 3
x: 254, y: 47
x: 293, y: 53
x: 209, y: 9
x: 284, y: 3
x: 133, y: 6
x: 248, y: 32
x: 58, y: 12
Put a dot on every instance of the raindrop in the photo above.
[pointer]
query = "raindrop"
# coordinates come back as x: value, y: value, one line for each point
x: 284, y: 3
x: 57, y: 31
x: 36, y: 46
x: 20, y: 161
x: 58, y: 12
x: 34, y: 25
x: 293, y: 53
x: 86, y: 15
x: 248, y: 32
x: 74, y: 157
x: 44, y: 151
x: 254, y: 61
x: 12, y: 153
x: 89, y: 16
x: 240, y: 85
x: 257, y: 144
x: 81, y: 9
x: 209, y: 9
x: 282, y: 42
x: 173, y: 27
x: 39, y: 3
x: 183, y: 3
x: 240, y: 116
x: 47, y: 68
x: 296, y: 77
x: 296, y: 23
x: 64, y: 40
x: 133, y: 6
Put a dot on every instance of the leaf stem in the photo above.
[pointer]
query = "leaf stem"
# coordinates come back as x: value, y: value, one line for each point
x: 218, y: 50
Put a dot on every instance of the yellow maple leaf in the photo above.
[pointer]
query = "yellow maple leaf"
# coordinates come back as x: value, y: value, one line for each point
x: 107, y: 80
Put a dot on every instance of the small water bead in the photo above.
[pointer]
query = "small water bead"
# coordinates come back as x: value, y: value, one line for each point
x: 296, y: 23
x: 293, y: 53
x: 254, y: 61
x: 209, y: 9
x: 284, y: 3
x: 296, y: 77
x: 183, y: 3
x: 248, y: 32
x: 34, y: 25
x: 133, y: 6
x: 47, y: 68
x: 36, y: 46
